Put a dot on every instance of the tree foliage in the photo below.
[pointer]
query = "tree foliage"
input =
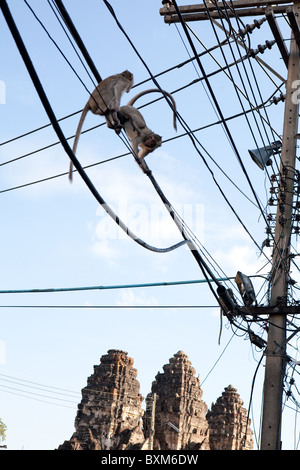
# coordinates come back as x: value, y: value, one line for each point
x: 2, y: 430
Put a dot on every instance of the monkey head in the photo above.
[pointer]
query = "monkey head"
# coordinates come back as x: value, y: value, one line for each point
x: 152, y: 141
x: 129, y: 76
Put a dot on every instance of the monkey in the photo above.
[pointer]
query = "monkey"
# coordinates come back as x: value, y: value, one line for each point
x: 155, y: 90
x: 105, y: 101
x: 142, y: 139
x: 140, y: 136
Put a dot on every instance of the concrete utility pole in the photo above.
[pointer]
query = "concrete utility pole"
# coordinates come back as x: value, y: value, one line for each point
x: 278, y: 309
x: 152, y: 422
x: 276, y: 347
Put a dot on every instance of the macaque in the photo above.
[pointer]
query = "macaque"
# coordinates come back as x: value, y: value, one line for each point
x: 142, y: 139
x: 105, y: 101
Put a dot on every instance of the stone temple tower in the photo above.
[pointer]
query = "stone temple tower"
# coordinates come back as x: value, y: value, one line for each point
x: 110, y: 413
x: 229, y: 428
x: 180, y: 421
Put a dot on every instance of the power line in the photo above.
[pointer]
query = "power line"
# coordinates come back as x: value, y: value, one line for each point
x: 39, y: 88
x: 90, y: 307
x: 218, y: 107
x: 34, y: 387
x: 48, y: 109
x: 122, y: 286
x: 36, y: 399
x: 37, y: 383
x: 186, y: 126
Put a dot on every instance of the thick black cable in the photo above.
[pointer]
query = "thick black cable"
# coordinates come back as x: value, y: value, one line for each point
x: 164, y: 199
x: 61, y: 21
x: 219, y: 110
x: 76, y: 163
x: 221, y: 289
x: 184, y: 125
x: 221, y: 14
x: 217, y: 105
x: 36, y: 81
x: 78, y: 39
x: 158, y: 189
x: 248, y: 78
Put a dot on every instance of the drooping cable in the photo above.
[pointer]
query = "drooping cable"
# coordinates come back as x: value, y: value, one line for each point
x: 220, y: 114
x: 216, y: 104
x: 36, y: 81
x: 193, y: 139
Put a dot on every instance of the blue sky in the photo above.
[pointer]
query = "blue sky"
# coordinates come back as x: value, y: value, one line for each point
x: 55, y: 235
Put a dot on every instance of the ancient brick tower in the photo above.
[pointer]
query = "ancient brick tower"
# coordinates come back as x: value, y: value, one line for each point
x: 178, y: 403
x: 228, y: 426
x: 110, y: 414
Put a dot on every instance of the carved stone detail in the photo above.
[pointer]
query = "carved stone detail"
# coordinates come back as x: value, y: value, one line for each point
x: 229, y: 428
x: 179, y: 407
x: 110, y: 413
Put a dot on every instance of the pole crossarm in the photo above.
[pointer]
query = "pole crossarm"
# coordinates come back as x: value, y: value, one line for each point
x: 269, y: 310
x: 237, y: 8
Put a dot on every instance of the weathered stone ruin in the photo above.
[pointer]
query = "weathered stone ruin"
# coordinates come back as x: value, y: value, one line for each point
x: 179, y: 403
x: 110, y: 415
x: 229, y: 428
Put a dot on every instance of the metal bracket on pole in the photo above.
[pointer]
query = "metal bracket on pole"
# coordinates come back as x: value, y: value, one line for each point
x: 277, y: 35
x: 294, y: 25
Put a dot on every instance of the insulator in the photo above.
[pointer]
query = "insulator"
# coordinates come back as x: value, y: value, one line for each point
x: 251, y: 53
x: 275, y: 99
x: 281, y: 207
x: 261, y: 48
x: 250, y: 27
x: 282, y: 220
x: 282, y: 196
x: 270, y: 218
x: 272, y: 190
x: 268, y: 230
x: 283, y: 183
x: 273, y: 177
x: 271, y: 201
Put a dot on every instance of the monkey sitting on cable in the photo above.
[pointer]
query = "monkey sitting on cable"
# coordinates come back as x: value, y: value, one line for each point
x: 142, y: 139
x: 105, y: 101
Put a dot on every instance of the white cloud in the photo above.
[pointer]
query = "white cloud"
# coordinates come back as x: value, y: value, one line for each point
x: 128, y: 297
x: 240, y: 257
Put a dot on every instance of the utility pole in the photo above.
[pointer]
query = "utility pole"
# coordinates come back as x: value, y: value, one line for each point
x: 152, y: 422
x: 276, y: 347
x: 278, y: 309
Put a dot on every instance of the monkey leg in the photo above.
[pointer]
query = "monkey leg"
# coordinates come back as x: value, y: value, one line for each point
x: 117, y: 124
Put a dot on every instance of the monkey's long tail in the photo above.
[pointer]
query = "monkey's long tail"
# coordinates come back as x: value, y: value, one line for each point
x: 153, y: 90
x: 77, y: 135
